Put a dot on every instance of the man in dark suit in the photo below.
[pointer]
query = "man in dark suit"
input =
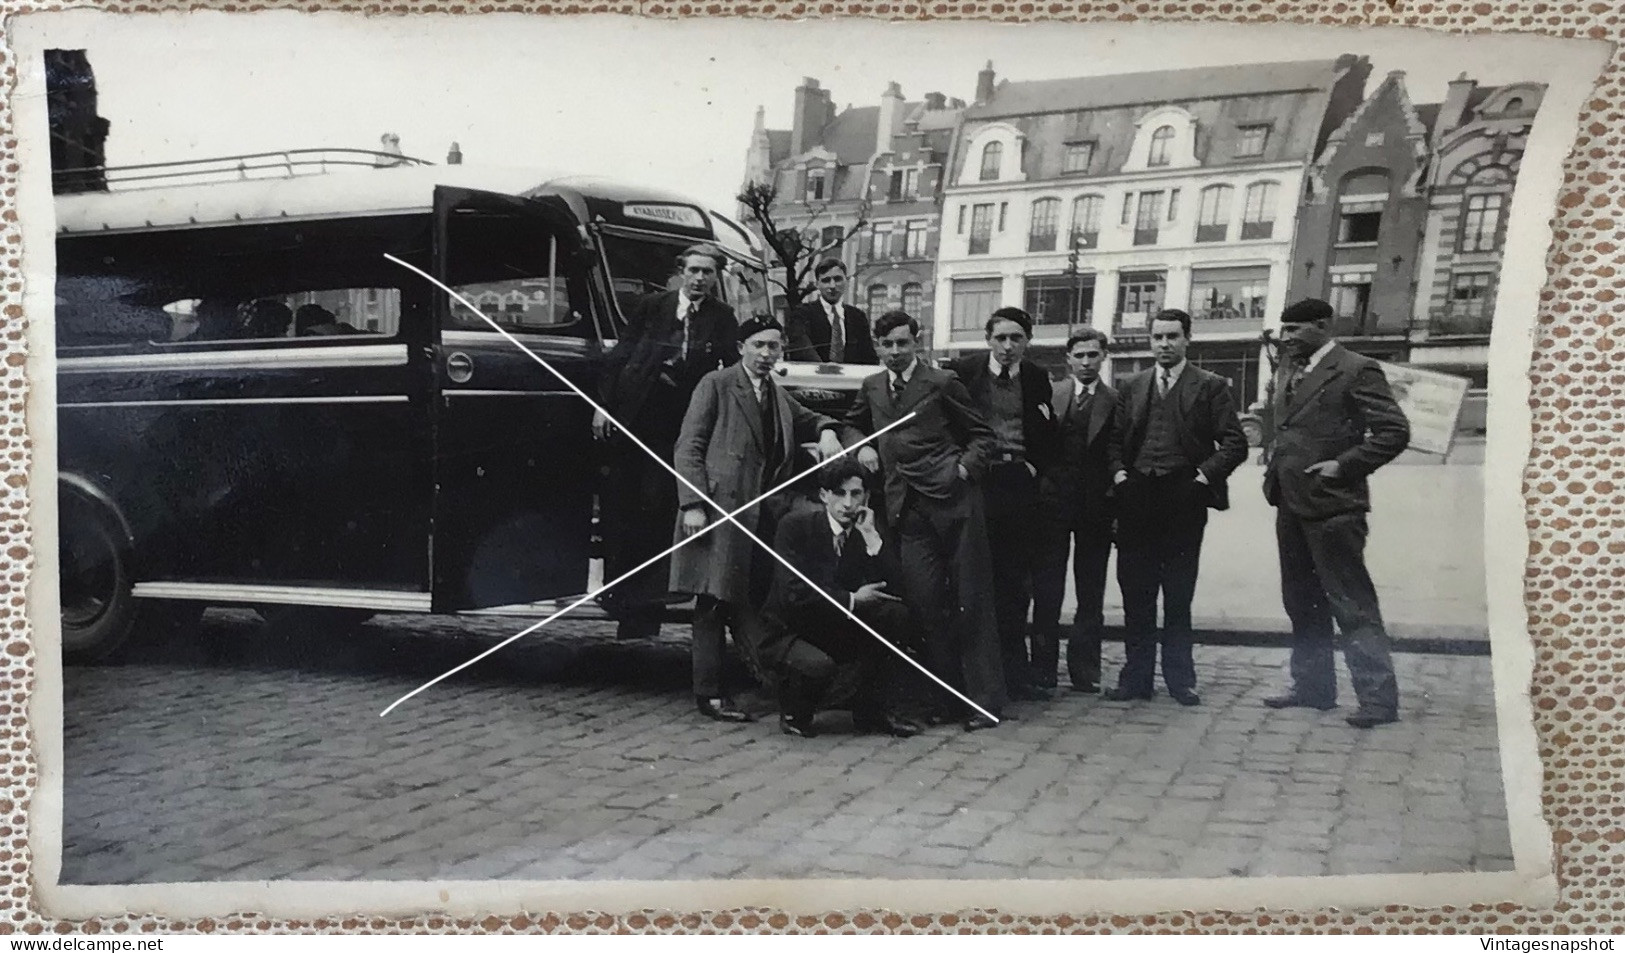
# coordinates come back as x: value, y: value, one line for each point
x: 1075, y: 500
x: 1336, y: 423
x: 671, y: 341
x: 1177, y: 441
x: 824, y: 329
x: 933, y: 465
x: 1013, y: 395
x: 840, y: 551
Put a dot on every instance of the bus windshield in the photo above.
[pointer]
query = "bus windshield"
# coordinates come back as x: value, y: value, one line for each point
x: 641, y: 264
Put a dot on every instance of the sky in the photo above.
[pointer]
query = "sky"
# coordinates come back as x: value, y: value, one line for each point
x: 666, y: 103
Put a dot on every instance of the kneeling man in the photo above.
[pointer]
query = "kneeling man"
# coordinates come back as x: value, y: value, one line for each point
x: 839, y: 550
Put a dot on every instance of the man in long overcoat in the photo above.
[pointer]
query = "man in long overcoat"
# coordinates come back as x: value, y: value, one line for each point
x: 739, y: 439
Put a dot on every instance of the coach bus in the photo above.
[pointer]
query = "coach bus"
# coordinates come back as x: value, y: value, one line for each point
x: 257, y: 408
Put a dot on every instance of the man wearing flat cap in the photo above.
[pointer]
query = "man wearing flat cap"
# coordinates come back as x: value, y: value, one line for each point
x: 737, y: 441
x: 1336, y: 423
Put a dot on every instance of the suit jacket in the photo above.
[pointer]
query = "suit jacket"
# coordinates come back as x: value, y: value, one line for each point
x: 1077, y: 487
x: 925, y: 453
x: 1205, y: 417
x: 1343, y: 411
x: 1038, y: 430
x: 723, y: 451
x: 805, y: 539
x: 640, y: 355
x: 807, y: 334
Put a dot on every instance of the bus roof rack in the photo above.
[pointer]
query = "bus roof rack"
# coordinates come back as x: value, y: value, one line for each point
x: 284, y: 164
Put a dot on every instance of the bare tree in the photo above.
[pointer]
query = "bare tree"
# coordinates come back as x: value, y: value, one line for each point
x: 799, y: 248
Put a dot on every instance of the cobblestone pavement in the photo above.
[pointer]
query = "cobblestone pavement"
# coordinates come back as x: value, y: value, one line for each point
x: 575, y: 756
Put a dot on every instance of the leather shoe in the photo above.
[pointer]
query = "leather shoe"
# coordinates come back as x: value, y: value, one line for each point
x: 1030, y: 693
x: 799, y: 727
x: 1368, y: 718
x: 892, y: 725
x: 979, y: 722
x: 1121, y: 694
x: 1088, y: 688
x: 1294, y: 700
x: 1186, y: 697
x: 721, y: 709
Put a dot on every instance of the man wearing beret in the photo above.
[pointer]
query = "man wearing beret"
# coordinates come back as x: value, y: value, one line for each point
x: 738, y: 440
x: 1336, y: 423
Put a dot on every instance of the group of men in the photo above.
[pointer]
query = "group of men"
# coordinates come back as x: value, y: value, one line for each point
x: 934, y: 540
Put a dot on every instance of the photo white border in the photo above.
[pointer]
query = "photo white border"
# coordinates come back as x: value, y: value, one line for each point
x: 1577, y: 67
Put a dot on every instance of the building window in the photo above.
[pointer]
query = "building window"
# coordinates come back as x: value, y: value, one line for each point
x: 1213, y: 213
x: 1045, y: 223
x: 973, y: 300
x: 1258, y: 217
x: 1470, y: 294
x: 1351, y: 301
x: 1139, y: 296
x: 1250, y: 141
x: 960, y: 228
x: 1359, y: 223
x: 913, y: 294
x: 1515, y: 104
x: 880, y: 242
x: 1160, y: 142
x: 1128, y: 208
x: 991, y: 154
x: 1078, y: 157
x: 904, y: 185
x: 1173, y: 204
x: 830, y: 237
x: 1060, y: 300
x: 1229, y: 294
x: 981, y: 229
x: 1147, y: 218
x: 1004, y: 209
x: 1086, y: 220
x: 877, y: 300
x: 1481, y: 228
x: 815, y: 185
x: 914, y: 239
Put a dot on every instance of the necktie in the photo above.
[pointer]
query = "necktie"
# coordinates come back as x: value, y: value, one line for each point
x: 689, y: 316
x: 897, y: 386
x: 1004, y: 374
x: 837, y: 335
x: 1163, y: 383
x: 840, y: 544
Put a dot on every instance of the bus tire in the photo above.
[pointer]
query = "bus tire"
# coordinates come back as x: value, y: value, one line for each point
x: 97, y: 581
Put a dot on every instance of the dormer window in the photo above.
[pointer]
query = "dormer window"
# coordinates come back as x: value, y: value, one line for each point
x: 992, y: 153
x: 1251, y: 140
x: 1160, y: 142
x: 815, y: 185
x: 1078, y: 157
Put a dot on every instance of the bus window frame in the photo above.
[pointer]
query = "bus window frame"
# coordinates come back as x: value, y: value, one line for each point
x: 602, y: 230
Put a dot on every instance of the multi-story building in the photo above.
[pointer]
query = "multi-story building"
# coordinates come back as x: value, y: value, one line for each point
x: 1403, y: 223
x: 879, y: 165
x: 1361, y: 222
x: 1478, y: 138
x: 1177, y: 188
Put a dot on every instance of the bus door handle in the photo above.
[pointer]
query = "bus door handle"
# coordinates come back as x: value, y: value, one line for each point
x: 459, y: 367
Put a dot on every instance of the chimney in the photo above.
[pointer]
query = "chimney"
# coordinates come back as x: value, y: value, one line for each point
x: 813, y: 112
x: 455, y: 156
x: 984, y: 85
x: 956, y: 103
x: 1454, y: 108
x: 935, y: 101
x: 891, y: 109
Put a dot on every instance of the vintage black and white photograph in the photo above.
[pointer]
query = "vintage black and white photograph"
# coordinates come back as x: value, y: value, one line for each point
x: 675, y: 457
